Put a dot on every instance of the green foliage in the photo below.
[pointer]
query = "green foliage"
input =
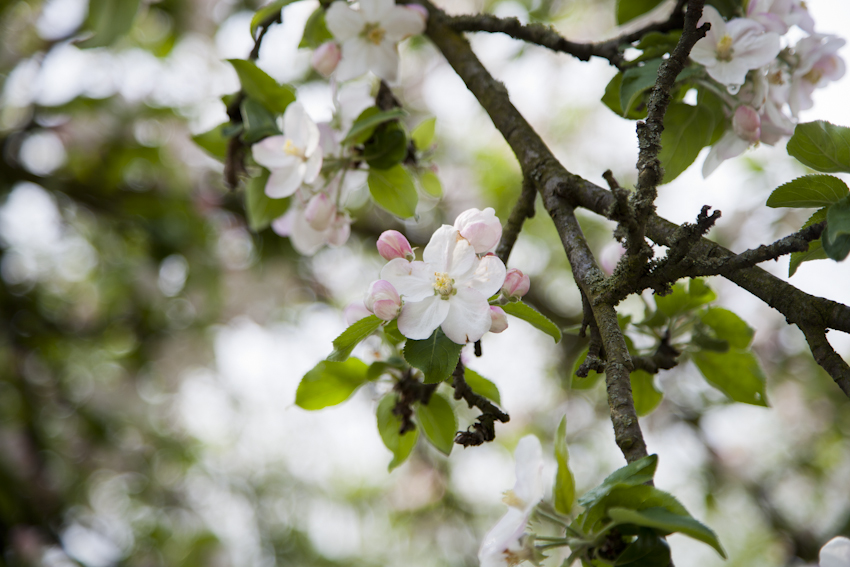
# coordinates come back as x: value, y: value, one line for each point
x: 481, y: 385
x: 109, y: 21
x: 728, y: 8
x: 628, y: 10
x: 260, y: 209
x: 564, y: 493
x: 611, y: 99
x: 431, y: 184
x: 809, y: 191
x: 435, y: 356
x: 259, y: 86
x: 387, y: 147
x: 315, y: 30
x: 644, y: 392
x: 633, y: 474
x: 268, y: 12
x: 681, y: 301
x: 365, y: 124
x: 214, y: 141
x: 736, y: 373
x: 836, y: 237
x: 648, y: 550
x: 389, y: 426
x: 822, y: 146
x: 438, y: 422
x: 656, y: 44
x: 667, y: 522
x: 393, y: 190
x: 352, y: 336
x: 687, y: 130
x: 259, y: 123
x: 330, y: 383
x: 423, y: 134
x: 636, y: 81
x: 528, y: 314
x: 728, y: 326
x: 588, y: 382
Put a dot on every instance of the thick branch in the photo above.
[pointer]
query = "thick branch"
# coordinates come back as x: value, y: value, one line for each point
x: 828, y: 359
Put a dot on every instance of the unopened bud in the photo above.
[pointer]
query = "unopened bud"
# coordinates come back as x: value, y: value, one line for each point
x: 422, y: 11
x: 392, y: 244
x: 382, y: 299
x: 320, y: 212
x: 747, y: 124
x: 325, y: 58
x: 481, y: 228
x: 498, y: 319
x: 516, y: 284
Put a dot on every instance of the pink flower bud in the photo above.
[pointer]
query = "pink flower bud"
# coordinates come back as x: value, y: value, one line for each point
x: 747, y: 124
x: 382, y: 299
x: 498, y: 319
x: 354, y: 312
x: 420, y: 10
x: 481, y: 228
x: 392, y: 244
x: 320, y: 212
x: 325, y: 58
x: 516, y: 284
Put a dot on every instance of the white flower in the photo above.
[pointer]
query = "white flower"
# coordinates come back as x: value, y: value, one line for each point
x: 836, y: 553
x: 293, y: 158
x: 504, y: 544
x: 369, y: 36
x: 746, y: 131
x: 334, y: 228
x: 779, y: 15
x: 481, y: 228
x: 817, y: 64
x: 730, y: 49
x: 448, y: 289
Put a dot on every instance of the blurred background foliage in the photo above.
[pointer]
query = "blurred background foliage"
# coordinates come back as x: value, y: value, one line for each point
x: 151, y: 343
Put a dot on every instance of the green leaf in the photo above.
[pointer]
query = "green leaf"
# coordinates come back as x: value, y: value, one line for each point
x: 815, y: 251
x: 611, y: 99
x: 315, y: 30
x: 667, y: 522
x: 645, y: 395
x: 727, y: 8
x: 431, y: 184
x: 482, y: 386
x: 735, y: 373
x: 110, y: 20
x: 728, y: 326
x: 681, y: 301
x: 423, y: 134
x: 214, y: 141
x: 352, y: 336
x: 633, y: 474
x: 822, y: 146
x: 267, y: 12
x: 393, y: 190
x: 258, y: 121
x: 258, y: 85
x: 436, y: 356
x: 438, y: 422
x: 565, y: 484
x: 836, y: 237
x: 628, y: 10
x: 389, y: 426
x: 365, y: 124
x: 387, y: 146
x: 648, y: 550
x: 637, y: 80
x: 260, y: 209
x: 809, y: 191
x: 687, y: 130
x: 330, y: 383
x: 595, y: 519
x: 530, y: 315
x: 392, y: 333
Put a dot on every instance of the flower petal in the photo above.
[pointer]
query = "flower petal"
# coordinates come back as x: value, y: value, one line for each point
x: 413, y: 280
x: 269, y: 152
x: 304, y: 238
x: 507, y: 531
x: 488, y: 277
x: 313, y: 166
x: 285, y: 181
x: 449, y: 252
x: 529, y: 472
x: 418, y: 320
x: 355, y: 61
x: 401, y: 23
x: 836, y: 553
x: 343, y: 22
x: 469, y: 316
x: 375, y: 11
x: 299, y: 128
x: 383, y: 61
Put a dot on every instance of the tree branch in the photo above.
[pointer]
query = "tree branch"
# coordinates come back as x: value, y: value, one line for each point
x: 484, y: 428
x: 523, y: 209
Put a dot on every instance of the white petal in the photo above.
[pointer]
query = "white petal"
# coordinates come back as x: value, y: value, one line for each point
x: 355, y: 60
x: 488, y: 277
x: 282, y: 226
x: 401, y: 23
x: 413, y: 280
x: 507, y: 531
x: 704, y: 52
x: 713, y: 17
x: 343, y: 22
x: 419, y: 319
x: 285, y: 181
x: 758, y: 51
x: 727, y: 147
x: 299, y: 128
x: 449, y: 252
x: 529, y: 471
x: 304, y: 238
x: 375, y: 10
x: 469, y: 316
x: 836, y: 553
x: 313, y: 166
x: 269, y: 152
x: 383, y: 61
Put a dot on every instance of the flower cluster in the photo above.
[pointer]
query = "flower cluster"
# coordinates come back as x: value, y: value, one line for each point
x: 451, y: 286
x: 766, y: 84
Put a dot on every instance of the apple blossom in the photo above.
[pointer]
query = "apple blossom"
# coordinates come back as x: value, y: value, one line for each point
x: 293, y: 158
x: 392, y: 244
x: 369, y: 36
x: 504, y: 544
x: 730, y: 49
x: 353, y: 312
x: 481, y: 228
x: 306, y: 239
x: 498, y: 319
x: 746, y: 131
x: 448, y: 289
x: 320, y: 211
x: 779, y: 15
x: 382, y: 299
x: 818, y: 63
x: 516, y: 284
x: 836, y: 553
x: 325, y: 58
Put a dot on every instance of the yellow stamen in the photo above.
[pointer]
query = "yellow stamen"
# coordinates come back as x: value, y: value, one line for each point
x: 443, y: 285
x: 724, y: 48
x: 374, y: 33
x: 291, y: 149
x: 511, y: 499
x: 814, y: 76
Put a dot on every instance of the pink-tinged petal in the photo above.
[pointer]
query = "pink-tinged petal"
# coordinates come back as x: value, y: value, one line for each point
x: 739, y: 28
x: 354, y: 312
x: 383, y: 61
x: 413, y: 280
x: 469, y: 316
x: 270, y: 154
x: 449, y: 252
x: 304, y: 238
x: 501, y: 537
x: 282, y: 226
x: 392, y: 244
x: 418, y: 320
x: 343, y: 22
x: 746, y: 124
x: 313, y: 166
x: 482, y: 228
x: 325, y: 58
x: 498, y: 319
x: 529, y: 472
x: 285, y: 181
x: 383, y: 300
x: 402, y: 22
x: 375, y: 10
x: 320, y: 212
x: 338, y: 234
x: 727, y: 147
x: 516, y: 283
x: 488, y: 277
x: 355, y: 61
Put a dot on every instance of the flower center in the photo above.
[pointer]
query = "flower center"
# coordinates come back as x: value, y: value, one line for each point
x: 291, y: 149
x: 724, y: 48
x: 374, y: 33
x: 511, y: 499
x: 443, y: 285
x: 814, y: 76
